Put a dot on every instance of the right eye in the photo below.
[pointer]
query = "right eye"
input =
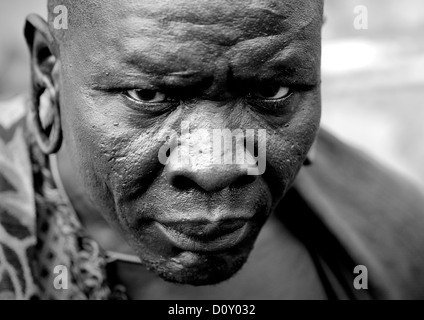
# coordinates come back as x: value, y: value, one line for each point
x: 271, y: 92
x: 147, y: 96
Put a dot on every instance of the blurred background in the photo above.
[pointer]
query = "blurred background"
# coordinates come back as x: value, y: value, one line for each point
x: 373, y: 79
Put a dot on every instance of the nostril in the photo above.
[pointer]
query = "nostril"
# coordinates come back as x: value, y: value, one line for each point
x: 243, y: 181
x: 209, y: 183
x: 183, y: 183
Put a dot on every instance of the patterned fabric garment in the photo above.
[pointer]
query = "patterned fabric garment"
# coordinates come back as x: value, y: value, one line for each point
x: 42, y: 242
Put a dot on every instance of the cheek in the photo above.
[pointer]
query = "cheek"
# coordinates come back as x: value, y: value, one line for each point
x: 107, y: 152
x: 288, y: 145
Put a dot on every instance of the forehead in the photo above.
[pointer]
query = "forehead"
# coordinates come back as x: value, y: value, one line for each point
x: 182, y: 35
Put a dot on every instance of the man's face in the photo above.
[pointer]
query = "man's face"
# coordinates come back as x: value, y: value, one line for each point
x: 133, y: 71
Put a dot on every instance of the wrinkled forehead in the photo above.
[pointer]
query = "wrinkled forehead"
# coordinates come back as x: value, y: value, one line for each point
x: 221, y: 19
x: 183, y: 29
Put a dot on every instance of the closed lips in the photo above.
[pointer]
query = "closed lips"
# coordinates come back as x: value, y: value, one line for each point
x: 205, y: 236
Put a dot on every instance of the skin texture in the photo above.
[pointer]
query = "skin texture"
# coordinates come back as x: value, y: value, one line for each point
x: 209, y: 57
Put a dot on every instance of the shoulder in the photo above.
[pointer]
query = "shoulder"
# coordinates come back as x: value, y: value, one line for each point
x: 375, y: 213
x: 15, y: 166
x: 17, y: 209
x: 12, y: 115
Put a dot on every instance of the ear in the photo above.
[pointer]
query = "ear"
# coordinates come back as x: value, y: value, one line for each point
x: 44, y: 102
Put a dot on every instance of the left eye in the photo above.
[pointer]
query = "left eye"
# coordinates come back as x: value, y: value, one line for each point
x: 146, y: 96
x: 271, y: 92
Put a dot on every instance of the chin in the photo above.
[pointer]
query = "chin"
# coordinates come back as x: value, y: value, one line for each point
x: 197, y: 269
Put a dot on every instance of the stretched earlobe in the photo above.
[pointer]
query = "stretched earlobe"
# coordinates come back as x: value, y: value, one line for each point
x: 44, y: 102
x: 45, y: 117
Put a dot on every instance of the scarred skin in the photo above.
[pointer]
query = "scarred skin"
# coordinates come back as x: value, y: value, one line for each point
x: 209, y: 56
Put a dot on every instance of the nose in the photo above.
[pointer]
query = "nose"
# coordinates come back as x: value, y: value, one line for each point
x: 204, y: 175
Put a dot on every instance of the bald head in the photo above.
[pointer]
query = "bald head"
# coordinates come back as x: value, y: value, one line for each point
x: 268, y: 16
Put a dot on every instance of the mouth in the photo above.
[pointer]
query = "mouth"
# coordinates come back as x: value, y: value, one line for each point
x: 205, y: 237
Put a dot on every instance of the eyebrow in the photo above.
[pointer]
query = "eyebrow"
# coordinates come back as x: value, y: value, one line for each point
x: 291, y: 65
x: 137, y: 79
x: 294, y: 67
